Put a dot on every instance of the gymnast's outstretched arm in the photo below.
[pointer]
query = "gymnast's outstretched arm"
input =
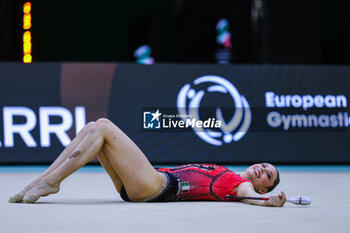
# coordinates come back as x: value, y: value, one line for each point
x: 246, y: 189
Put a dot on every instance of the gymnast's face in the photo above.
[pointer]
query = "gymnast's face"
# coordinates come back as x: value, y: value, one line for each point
x: 262, y: 175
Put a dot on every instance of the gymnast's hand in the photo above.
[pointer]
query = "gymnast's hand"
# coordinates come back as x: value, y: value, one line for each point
x: 277, y: 201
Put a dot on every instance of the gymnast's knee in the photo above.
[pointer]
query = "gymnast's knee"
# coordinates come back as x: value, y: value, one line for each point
x: 91, y: 128
x: 90, y: 125
x: 87, y: 127
x: 102, y: 125
x: 103, y: 122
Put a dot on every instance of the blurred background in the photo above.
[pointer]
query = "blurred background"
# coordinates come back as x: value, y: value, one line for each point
x: 182, y: 31
x: 82, y: 57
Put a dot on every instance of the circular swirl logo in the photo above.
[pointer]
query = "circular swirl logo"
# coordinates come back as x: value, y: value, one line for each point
x: 189, y: 101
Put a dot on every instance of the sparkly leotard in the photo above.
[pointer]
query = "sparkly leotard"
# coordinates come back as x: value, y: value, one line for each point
x: 197, y: 182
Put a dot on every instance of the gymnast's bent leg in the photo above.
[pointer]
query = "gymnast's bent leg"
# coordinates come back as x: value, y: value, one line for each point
x: 107, y: 165
x: 129, y: 164
x: 63, y: 156
x: 59, y: 160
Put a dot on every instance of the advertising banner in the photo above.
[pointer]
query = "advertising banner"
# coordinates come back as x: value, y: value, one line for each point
x: 179, y: 113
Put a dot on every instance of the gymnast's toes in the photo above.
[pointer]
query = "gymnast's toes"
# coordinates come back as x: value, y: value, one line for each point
x: 17, y: 198
x: 30, y: 198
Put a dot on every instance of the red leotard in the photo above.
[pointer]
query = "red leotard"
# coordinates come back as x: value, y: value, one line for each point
x: 205, y: 181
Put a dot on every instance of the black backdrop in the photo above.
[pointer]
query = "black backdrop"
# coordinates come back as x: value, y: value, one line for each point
x: 312, y: 32
x: 133, y: 87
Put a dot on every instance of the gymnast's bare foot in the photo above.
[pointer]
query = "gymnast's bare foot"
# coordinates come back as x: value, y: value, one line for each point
x: 18, y: 197
x: 42, y: 189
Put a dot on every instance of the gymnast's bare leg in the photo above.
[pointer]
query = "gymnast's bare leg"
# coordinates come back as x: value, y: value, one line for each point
x: 122, y: 159
x: 60, y: 159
